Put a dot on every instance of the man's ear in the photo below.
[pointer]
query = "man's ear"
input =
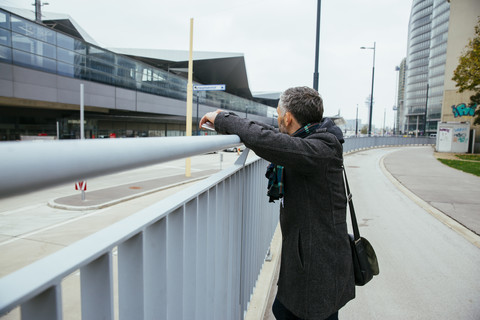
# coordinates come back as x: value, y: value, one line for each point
x: 287, y: 119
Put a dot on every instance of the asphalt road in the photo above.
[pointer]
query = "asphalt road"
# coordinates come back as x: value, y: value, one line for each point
x: 427, y: 270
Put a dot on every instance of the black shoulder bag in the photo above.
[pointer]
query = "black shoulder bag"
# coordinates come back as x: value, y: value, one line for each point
x: 365, y: 264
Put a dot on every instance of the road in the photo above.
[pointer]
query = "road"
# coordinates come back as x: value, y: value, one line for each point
x: 427, y: 270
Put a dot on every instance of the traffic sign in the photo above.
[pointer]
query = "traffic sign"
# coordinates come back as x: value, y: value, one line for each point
x: 209, y: 87
x: 81, y: 185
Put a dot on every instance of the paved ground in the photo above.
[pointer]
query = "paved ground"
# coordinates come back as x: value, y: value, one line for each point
x: 451, y: 191
x: 428, y: 262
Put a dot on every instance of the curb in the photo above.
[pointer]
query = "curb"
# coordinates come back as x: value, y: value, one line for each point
x: 55, y: 205
x: 437, y: 214
x: 261, y: 293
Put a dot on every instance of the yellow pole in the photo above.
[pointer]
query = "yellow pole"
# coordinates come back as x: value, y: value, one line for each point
x: 188, y: 161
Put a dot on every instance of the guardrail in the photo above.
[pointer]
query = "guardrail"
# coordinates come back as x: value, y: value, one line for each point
x: 354, y: 144
x: 194, y: 255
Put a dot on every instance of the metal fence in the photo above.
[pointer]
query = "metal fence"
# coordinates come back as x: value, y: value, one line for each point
x: 354, y: 144
x: 194, y: 255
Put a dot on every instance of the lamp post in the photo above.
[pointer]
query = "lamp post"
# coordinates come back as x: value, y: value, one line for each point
x: 317, y: 46
x: 396, y: 104
x: 425, y: 117
x: 371, y: 95
x: 356, y: 123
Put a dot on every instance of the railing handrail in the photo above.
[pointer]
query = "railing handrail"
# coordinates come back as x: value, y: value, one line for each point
x: 33, y: 165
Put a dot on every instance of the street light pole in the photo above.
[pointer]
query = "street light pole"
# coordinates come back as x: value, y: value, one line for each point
x: 396, y: 104
x: 371, y: 94
x: 425, y: 117
x: 356, y: 123
x: 317, y: 46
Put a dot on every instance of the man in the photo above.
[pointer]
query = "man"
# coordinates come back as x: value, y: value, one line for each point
x: 316, y: 273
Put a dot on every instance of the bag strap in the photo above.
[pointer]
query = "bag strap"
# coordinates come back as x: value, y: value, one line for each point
x: 356, y: 232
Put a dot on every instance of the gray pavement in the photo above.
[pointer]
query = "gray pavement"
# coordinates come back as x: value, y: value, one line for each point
x: 453, y: 192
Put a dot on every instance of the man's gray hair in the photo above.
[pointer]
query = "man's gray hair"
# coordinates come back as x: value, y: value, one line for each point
x: 304, y: 103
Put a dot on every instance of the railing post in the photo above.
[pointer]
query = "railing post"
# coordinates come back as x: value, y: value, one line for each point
x: 97, y: 288
x: 175, y: 264
x: 130, y: 278
x: 190, y: 259
x: 45, y: 306
x: 155, y: 270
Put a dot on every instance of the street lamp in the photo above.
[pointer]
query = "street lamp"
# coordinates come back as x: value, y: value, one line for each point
x: 317, y: 46
x: 396, y: 104
x: 371, y: 95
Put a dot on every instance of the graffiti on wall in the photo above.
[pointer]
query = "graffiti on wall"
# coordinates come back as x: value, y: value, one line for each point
x: 460, y: 135
x: 462, y: 110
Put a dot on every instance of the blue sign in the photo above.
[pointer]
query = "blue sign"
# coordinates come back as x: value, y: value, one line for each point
x: 210, y: 87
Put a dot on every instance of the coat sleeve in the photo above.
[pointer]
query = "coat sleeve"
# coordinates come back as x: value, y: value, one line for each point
x: 282, y: 149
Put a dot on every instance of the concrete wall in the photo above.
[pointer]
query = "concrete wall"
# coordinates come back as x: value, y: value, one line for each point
x: 463, y: 17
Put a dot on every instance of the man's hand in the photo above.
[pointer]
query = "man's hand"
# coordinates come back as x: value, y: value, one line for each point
x: 209, y: 117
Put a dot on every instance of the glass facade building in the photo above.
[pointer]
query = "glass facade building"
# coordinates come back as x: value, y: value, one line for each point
x: 32, y: 45
x: 436, y: 63
x: 426, y: 57
x: 400, y: 104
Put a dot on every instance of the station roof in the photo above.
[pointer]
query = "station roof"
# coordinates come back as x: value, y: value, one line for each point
x: 208, y: 67
x: 57, y: 21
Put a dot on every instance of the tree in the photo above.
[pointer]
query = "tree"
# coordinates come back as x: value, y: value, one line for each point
x: 467, y: 73
x: 364, y: 130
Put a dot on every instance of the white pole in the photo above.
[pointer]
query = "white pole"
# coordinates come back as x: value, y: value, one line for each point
x: 188, y: 161
x: 82, y: 109
x: 82, y: 128
x: 384, y: 115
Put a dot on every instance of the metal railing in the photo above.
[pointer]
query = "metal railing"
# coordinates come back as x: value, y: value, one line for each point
x: 354, y: 144
x: 194, y: 255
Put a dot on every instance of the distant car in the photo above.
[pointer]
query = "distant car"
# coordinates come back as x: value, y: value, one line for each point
x: 433, y: 135
x: 235, y: 149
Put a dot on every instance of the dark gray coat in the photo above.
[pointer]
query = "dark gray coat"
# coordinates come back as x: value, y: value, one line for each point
x: 316, y: 273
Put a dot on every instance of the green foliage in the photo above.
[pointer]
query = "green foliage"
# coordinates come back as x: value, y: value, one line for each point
x: 467, y: 73
x: 364, y: 130
x: 472, y: 167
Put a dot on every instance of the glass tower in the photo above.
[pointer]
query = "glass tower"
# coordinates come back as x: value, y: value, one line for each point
x: 436, y: 63
x: 426, y: 54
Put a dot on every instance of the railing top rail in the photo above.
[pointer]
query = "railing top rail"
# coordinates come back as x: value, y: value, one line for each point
x: 28, y: 166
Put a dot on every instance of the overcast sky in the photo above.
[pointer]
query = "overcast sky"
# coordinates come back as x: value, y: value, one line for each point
x: 277, y: 38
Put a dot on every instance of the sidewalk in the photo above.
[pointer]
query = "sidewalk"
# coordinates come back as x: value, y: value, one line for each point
x: 451, y: 191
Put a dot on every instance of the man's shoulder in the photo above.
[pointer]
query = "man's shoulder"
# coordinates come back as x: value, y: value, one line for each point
x: 325, y: 136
